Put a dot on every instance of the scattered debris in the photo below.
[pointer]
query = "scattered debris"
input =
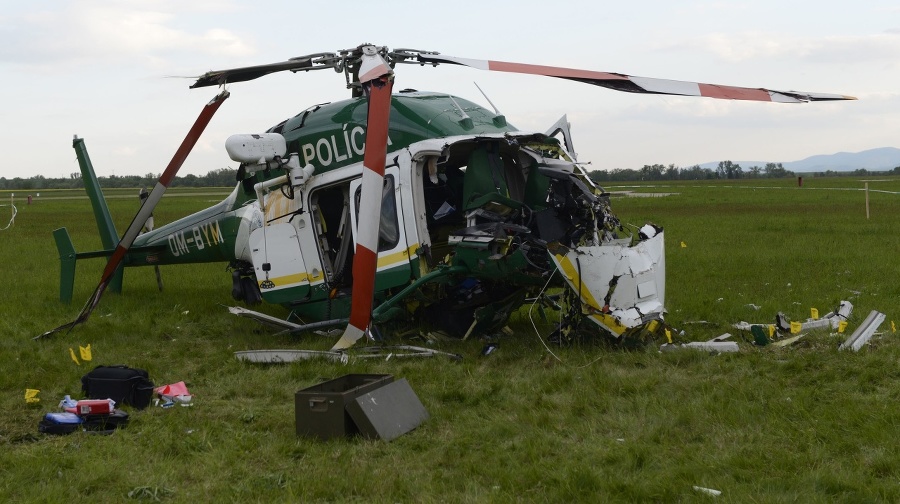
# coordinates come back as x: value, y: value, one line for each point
x: 31, y: 396
x: 714, y: 346
x: 386, y: 352
x: 12, y: 220
x: 717, y: 344
x: 763, y: 334
x: 98, y: 416
x: 262, y: 317
x: 282, y: 356
x: 864, y: 332
x: 708, y: 491
x: 174, y: 393
x: 401, y: 351
x: 154, y: 493
x: 788, y: 341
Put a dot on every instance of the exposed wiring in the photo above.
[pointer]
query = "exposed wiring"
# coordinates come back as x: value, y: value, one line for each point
x: 541, y: 293
x: 11, y: 219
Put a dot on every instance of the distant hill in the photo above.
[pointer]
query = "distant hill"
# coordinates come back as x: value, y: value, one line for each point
x: 880, y: 159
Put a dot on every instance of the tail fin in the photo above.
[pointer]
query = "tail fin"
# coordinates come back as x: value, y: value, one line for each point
x: 66, y: 264
x: 109, y: 237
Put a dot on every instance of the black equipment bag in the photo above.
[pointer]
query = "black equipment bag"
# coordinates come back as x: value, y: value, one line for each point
x: 122, y: 384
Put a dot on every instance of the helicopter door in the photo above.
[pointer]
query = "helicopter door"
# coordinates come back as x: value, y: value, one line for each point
x: 278, y: 263
x: 393, y: 252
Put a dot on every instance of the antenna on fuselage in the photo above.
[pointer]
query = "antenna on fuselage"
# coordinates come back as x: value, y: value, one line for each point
x: 499, y: 119
x: 466, y: 121
x: 486, y: 98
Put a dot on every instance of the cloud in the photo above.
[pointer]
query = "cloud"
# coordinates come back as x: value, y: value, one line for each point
x: 113, y: 31
x: 756, y: 45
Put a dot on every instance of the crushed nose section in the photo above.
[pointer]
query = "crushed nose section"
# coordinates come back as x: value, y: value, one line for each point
x: 621, y: 285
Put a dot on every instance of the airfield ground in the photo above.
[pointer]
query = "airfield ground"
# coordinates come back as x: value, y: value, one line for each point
x: 805, y: 422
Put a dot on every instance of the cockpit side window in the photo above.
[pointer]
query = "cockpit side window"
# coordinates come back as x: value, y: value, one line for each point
x: 389, y: 226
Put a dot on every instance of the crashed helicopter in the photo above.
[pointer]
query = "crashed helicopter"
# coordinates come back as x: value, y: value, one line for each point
x: 390, y: 210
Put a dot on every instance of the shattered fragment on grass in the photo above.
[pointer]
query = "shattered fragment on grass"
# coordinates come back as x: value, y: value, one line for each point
x: 864, y: 332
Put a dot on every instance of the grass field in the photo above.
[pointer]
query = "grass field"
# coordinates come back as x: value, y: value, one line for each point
x: 804, y: 423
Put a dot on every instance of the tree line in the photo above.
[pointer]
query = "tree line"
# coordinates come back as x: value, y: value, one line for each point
x: 226, y: 177
x: 223, y: 177
x: 724, y: 170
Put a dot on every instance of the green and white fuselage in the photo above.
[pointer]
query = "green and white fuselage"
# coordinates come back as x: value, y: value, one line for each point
x: 476, y: 216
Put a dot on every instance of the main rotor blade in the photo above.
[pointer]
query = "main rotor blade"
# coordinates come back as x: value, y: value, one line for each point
x: 220, y: 77
x: 146, y: 209
x: 634, y: 84
x: 377, y: 80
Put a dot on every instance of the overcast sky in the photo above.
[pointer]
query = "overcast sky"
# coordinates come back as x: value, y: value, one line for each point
x: 108, y: 71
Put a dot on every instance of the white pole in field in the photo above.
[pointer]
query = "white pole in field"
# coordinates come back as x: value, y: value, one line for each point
x: 867, y: 200
x: 12, y: 208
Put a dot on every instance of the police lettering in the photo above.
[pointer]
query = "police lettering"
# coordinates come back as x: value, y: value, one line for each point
x: 336, y: 148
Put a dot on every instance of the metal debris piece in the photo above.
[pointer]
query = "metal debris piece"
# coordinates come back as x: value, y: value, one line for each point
x: 788, y: 341
x: 714, y: 345
x: 864, y: 332
x: 760, y: 336
x: 395, y: 351
x: 832, y: 320
x: 262, y: 317
x: 284, y: 356
x: 285, y: 325
x: 708, y: 491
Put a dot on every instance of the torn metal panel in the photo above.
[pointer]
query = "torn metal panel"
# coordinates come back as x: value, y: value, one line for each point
x: 864, y: 332
x: 621, y: 285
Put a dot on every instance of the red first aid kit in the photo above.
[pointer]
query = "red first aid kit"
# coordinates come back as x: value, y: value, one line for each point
x: 94, y: 407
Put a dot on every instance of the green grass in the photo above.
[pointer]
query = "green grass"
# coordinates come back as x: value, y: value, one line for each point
x: 803, y: 423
